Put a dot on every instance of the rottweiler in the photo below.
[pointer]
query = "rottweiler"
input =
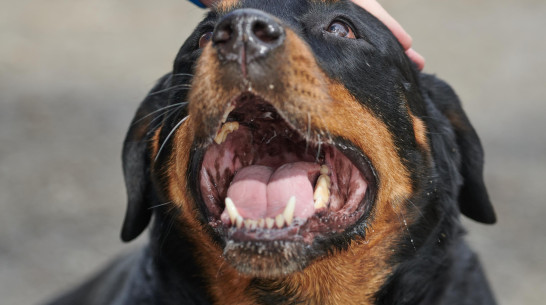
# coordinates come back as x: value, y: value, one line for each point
x: 295, y: 155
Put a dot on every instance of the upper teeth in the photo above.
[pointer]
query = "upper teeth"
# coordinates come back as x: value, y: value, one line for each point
x: 322, y: 188
x: 321, y: 197
x: 226, y: 129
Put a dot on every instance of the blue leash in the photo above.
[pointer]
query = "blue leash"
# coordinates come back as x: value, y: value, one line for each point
x: 198, y: 3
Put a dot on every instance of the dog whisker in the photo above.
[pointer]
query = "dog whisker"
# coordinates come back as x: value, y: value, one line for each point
x: 169, y: 136
x: 170, y: 226
x: 166, y: 115
x: 402, y: 220
x: 308, y: 134
x: 329, y: 135
x: 166, y: 108
x: 181, y: 86
x: 183, y: 74
x: 416, y: 208
x: 160, y: 205
x: 220, y: 268
x: 319, y: 143
x: 326, y: 131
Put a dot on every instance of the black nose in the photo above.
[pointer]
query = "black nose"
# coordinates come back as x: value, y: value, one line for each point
x: 246, y: 34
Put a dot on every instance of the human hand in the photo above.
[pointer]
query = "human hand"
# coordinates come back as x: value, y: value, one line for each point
x: 380, y: 13
x: 208, y: 3
x: 403, y: 37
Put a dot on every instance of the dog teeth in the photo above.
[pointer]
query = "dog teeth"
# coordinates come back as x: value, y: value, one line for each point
x: 322, y: 189
x: 251, y: 224
x: 225, y: 130
x: 324, y: 170
x: 286, y: 217
x: 279, y: 221
x: 321, y: 196
x: 239, y: 222
x: 232, y: 210
x: 269, y: 222
x: 246, y: 223
x: 288, y: 213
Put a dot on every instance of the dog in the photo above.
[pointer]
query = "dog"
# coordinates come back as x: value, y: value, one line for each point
x: 295, y: 155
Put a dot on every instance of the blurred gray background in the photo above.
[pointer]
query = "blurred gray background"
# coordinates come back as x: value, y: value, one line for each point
x: 73, y: 72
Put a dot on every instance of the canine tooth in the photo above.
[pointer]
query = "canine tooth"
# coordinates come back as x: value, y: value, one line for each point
x: 321, y: 196
x: 323, y: 181
x: 219, y: 139
x: 319, y: 204
x: 239, y: 221
x: 324, y: 170
x: 226, y: 129
x: 288, y: 213
x: 279, y: 221
x: 231, y: 209
x: 269, y: 222
x: 261, y: 223
x: 322, y: 192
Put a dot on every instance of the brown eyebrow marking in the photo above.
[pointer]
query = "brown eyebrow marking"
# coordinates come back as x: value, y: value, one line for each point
x: 420, y: 131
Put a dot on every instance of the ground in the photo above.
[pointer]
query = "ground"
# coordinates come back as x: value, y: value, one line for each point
x: 73, y: 72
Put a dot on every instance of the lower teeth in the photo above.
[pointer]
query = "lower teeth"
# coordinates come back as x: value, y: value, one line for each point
x: 321, y: 197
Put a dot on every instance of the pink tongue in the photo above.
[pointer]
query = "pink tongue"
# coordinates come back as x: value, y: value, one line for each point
x: 258, y: 192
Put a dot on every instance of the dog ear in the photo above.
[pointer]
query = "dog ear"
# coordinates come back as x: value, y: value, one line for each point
x: 473, y: 198
x: 137, y: 161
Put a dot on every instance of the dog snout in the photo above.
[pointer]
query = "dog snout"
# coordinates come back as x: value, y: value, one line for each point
x: 245, y: 35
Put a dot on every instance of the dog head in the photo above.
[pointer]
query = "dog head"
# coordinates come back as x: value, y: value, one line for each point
x: 292, y: 136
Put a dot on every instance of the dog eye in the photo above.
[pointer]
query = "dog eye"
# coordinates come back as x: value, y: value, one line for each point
x: 341, y: 29
x: 204, y: 39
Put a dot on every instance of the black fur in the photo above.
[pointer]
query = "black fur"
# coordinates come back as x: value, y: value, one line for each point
x: 136, y: 165
x: 434, y: 265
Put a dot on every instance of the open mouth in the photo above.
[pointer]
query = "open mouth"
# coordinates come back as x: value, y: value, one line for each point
x: 262, y: 179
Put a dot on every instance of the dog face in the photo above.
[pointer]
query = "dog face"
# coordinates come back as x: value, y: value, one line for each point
x: 297, y: 138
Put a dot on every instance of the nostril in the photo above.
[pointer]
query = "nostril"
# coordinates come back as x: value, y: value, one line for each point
x: 265, y: 32
x: 222, y: 35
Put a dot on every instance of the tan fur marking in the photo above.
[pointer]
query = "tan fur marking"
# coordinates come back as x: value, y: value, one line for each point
x: 155, y: 142
x: 459, y: 122
x: 352, y: 276
x: 211, y: 98
x: 420, y: 131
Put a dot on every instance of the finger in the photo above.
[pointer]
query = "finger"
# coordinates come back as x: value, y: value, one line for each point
x: 380, y: 13
x: 208, y: 3
x: 417, y: 58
